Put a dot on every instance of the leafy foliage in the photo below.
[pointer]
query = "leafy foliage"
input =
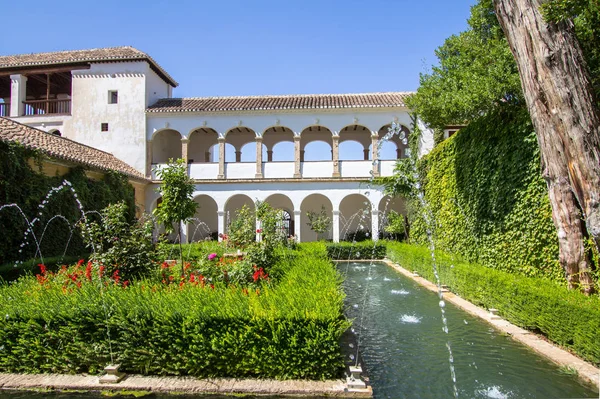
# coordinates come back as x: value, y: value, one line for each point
x: 488, y: 200
x: 319, y: 222
x: 119, y: 243
x: 566, y: 317
x: 291, y: 330
x: 242, y: 229
x: 396, y: 225
x: 22, y: 182
x: 476, y: 73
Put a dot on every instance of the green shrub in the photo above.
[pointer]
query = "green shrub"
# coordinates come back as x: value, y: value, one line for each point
x: 120, y: 243
x: 568, y: 318
x: 288, y: 330
x: 356, y: 251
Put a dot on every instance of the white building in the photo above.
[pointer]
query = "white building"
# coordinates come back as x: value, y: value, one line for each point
x: 238, y: 149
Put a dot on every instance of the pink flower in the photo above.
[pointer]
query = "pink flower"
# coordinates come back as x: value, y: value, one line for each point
x: 212, y: 256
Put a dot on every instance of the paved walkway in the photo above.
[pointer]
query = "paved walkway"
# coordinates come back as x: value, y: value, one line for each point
x: 586, y: 371
x: 188, y: 385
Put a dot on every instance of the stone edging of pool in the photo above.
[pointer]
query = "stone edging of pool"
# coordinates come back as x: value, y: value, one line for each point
x: 586, y: 371
x: 180, y: 385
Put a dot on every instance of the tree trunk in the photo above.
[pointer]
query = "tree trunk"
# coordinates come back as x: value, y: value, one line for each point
x: 559, y: 96
x: 181, y: 252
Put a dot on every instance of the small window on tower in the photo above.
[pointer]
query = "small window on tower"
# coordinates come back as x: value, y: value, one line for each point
x: 113, y: 97
x: 104, y: 127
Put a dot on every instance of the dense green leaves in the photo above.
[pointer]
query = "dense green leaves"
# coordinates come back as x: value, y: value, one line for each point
x: 566, y: 317
x: 288, y: 330
x: 25, y: 186
x: 356, y: 250
x: 487, y: 198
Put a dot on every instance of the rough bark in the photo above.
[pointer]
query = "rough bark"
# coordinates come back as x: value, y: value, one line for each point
x: 559, y: 95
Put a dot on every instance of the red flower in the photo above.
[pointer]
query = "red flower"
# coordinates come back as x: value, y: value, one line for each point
x: 101, y: 271
x: 259, y: 231
x: 42, y: 268
x: 88, y: 271
x: 116, y: 276
x: 80, y: 262
x: 126, y: 283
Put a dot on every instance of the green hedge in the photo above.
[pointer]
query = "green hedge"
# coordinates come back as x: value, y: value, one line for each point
x: 568, y: 318
x: 489, y: 201
x: 288, y: 330
x: 356, y: 251
x: 26, y: 187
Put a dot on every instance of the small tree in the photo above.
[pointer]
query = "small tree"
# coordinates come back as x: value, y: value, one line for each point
x: 396, y: 225
x: 319, y: 222
x: 178, y: 205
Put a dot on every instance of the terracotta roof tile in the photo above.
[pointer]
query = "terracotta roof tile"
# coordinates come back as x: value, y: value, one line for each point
x: 109, y: 54
x: 63, y: 148
x: 286, y: 102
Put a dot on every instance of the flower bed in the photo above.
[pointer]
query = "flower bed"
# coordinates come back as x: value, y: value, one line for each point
x: 180, y: 326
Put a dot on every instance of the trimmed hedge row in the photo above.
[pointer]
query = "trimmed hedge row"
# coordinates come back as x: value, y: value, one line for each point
x: 356, y: 251
x: 288, y: 330
x: 568, y: 318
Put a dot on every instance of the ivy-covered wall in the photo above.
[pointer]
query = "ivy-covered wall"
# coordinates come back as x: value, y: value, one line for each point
x: 27, y: 187
x: 488, y: 199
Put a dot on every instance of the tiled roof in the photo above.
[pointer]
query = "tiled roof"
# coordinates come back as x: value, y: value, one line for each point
x: 286, y: 102
x: 63, y: 148
x: 109, y: 54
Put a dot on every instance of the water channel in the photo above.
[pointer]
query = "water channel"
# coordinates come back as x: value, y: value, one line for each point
x: 404, y: 348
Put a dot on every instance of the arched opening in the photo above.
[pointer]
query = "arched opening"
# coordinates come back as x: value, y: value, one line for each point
x: 315, y: 203
x: 55, y: 132
x: 401, y: 144
x: 201, y: 146
x: 249, y: 152
x: 388, y: 151
x: 239, y: 137
x: 204, y: 225
x: 387, y: 205
x: 361, y: 137
x: 351, y: 150
x: 355, y: 218
x: 282, y: 202
x: 233, y: 205
x: 316, y: 152
x: 166, y: 145
x: 279, y: 142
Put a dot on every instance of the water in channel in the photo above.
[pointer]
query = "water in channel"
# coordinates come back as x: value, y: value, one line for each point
x: 404, y: 348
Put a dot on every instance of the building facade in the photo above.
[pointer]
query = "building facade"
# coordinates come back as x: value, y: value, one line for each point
x: 299, y: 153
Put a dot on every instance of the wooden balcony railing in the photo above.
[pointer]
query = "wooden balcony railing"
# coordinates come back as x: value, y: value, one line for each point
x: 47, y: 107
x: 4, y: 109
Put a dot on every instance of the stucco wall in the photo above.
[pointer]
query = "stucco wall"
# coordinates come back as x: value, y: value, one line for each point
x: 126, y: 120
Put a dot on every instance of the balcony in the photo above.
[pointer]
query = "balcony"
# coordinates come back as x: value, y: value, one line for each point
x: 47, y: 107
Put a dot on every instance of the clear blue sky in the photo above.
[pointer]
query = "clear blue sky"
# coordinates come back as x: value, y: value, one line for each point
x: 227, y: 47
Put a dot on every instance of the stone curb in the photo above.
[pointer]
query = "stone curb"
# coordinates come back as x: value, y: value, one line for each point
x: 181, y: 385
x: 586, y: 371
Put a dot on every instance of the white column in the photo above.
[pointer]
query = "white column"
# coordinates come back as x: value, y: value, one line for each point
x: 374, y: 153
x: 184, y: 233
x: 336, y: 226
x: 335, y: 149
x: 18, y: 94
x: 375, y: 225
x: 297, y: 225
x: 297, y: 159
x: 221, y: 223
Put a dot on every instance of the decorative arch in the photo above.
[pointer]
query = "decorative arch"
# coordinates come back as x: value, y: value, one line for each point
x: 386, y: 205
x: 285, y: 204
x: 276, y: 136
x: 315, y: 133
x: 55, y: 132
x: 355, y: 217
x: 234, y: 204
x: 238, y: 137
x: 352, y: 150
x: 166, y: 144
x: 205, y: 222
x: 401, y: 145
x: 314, y: 202
x: 201, y: 145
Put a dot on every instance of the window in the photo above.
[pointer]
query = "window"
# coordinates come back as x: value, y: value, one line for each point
x: 104, y: 127
x: 113, y: 97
